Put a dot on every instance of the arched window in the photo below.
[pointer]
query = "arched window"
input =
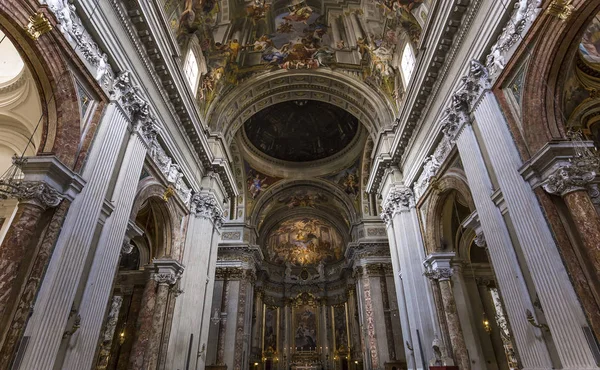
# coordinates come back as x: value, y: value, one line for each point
x: 191, y: 70
x: 408, y: 63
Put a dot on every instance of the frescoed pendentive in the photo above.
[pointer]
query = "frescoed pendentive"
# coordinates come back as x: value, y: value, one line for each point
x: 348, y: 180
x: 304, y: 241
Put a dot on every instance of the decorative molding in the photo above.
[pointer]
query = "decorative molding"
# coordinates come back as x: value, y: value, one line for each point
x: 35, y: 192
x: 205, y: 205
x: 127, y: 247
x: 523, y: 15
x: 399, y: 198
x: 168, y: 271
x: 573, y: 176
x: 37, y: 26
x: 480, y: 240
x: 463, y: 14
x: 80, y: 39
x: 438, y: 266
x: 231, y: 235
x: 562, y: 9
x: 440, y: 274
x: 129, y: 95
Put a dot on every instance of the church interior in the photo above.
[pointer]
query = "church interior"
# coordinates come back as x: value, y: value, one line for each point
x: 299, y: 184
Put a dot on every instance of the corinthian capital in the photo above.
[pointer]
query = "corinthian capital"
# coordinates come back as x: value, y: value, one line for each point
x: 36, y: 192
x: 167, y: 278
x: 440, y: 274
x: 206, y: 206
x: 399, y: 198
x: 573, y: 176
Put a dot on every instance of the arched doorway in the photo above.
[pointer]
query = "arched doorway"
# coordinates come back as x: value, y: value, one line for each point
x: 470, y: 309
x: 129, y: 333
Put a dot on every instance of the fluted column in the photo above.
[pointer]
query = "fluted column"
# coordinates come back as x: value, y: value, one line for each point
x: 561, y: 307
x: 528, y: 339
x: 440, y: 271
x: 408, y: 342
x: 169, y: 271
x: 399, y: 209
x: 191, y: 320
x: 59, y: 288
x: 106, y: 260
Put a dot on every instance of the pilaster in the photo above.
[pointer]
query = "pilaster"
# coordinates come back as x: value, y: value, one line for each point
x: 418, y: 306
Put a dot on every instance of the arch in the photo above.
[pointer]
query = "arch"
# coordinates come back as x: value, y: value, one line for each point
x: 150, y: 196
x: 270, y: 195
x: 453, y: 180
x: 47, y: 60
x: 372, y: 109
x: 544, y: 78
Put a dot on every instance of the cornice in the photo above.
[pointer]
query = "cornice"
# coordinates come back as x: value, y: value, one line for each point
x: 183, y: 111
x: 462, y: 12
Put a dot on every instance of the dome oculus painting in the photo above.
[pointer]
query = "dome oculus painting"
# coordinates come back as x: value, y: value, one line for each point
x: 304, y: 241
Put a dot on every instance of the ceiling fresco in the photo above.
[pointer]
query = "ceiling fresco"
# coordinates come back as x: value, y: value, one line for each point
x: 304, y: 241
x: 590, y: 42
x: 348, y: 180
x: 301, y: 131
x: 238, y: 42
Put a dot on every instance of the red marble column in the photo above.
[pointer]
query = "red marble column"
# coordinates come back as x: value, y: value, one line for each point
x: 25, y: 301
x: 144, y: 326
x: 459, y: 347
x: 158, y: 320
x: 16, y: 249
x: 587, y: 221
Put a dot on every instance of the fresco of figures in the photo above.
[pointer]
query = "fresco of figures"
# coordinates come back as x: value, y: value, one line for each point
x: 299, y: 36
x: 590, y: 42
x: 305, y: 325
x: 340, y: 328
x: 348, y: 180
x: 270, y: 333
x: 303, y: 198
x: 304, y: 241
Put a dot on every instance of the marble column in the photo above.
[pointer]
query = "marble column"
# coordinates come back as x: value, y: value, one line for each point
x: 440, y: 271
x: 223, y: 322
x: 399, y: 209
x: 99, y: 283
x: 257, y: 324
x: 15, y: 250
x: 377, y: 341
x: 234, y: 334
x: 470, y: 318
x: 191, y: 320
x: 407, y: 342
x: 528, y: 339
x: 556, y: 294
x: 168, y: 272
x: 107, y: 338
x: 143, y: 328
x: 47, y: 189
x: 355, y: 335
x: 570, y: 181
x: 59, y: 287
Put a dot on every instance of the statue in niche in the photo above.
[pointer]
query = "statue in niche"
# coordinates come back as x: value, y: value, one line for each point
x: 288, y: 271
x: 321, y: 269
x: 439, y: 355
